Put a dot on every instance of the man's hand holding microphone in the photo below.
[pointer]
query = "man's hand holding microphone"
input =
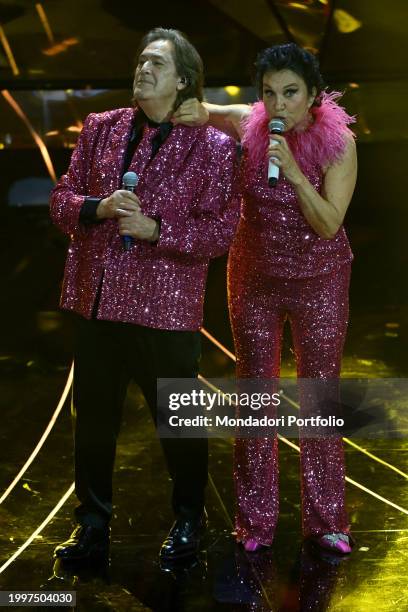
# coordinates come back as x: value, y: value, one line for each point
x: 125, y: 206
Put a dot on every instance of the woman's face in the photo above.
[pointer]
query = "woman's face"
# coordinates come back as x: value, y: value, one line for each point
x: 285, y: 95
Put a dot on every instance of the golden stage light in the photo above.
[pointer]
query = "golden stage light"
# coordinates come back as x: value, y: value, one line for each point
x: 8, y: 52
x: 232, y: 90
x: 345, y: 22
x: 36, y: 137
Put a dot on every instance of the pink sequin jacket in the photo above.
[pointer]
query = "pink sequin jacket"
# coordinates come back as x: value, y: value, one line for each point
x: 190, y: 184
x: 273, y: 233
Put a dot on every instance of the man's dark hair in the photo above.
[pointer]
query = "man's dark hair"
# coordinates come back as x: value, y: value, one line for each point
x: 290, y: 57
x: 189, y: 65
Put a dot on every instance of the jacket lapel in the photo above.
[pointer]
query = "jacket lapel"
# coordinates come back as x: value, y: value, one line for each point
x: 112, y: 156
x: 163, y: 170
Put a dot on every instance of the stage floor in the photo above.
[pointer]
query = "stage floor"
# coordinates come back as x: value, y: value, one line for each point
x: 287, y: 577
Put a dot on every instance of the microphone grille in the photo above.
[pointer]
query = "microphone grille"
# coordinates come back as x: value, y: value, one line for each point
x: 277, y: 125
x: 130, y: 179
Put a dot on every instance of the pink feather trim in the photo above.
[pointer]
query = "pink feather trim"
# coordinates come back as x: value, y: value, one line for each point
x: 322, y: 142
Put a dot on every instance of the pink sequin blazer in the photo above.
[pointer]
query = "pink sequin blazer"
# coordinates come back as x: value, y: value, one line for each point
x: 190, y: 184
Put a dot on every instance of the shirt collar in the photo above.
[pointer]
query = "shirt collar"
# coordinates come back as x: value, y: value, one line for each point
x: 142, y: 120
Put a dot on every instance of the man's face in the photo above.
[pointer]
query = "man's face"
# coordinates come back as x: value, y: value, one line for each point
x: 156, y: 78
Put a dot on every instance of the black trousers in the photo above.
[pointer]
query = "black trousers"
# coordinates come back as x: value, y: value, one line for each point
x: 107, y: 355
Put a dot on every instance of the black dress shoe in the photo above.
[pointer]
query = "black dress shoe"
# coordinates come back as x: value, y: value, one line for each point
x: 183, y: 539
x: 85, y: 542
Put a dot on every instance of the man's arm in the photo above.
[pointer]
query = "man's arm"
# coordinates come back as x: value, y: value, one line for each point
x: 208, y: 228
x: 69, y: 194
x: 226, y: 118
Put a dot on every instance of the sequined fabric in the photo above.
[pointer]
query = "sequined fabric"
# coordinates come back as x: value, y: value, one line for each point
x: 279, y: 268
x: 272, y: 229
x: 317, y: 310
x: 189, y: 185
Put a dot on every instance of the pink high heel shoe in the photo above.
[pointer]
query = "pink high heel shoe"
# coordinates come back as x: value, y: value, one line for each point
x: 252, y: 545
x: 336, y: 542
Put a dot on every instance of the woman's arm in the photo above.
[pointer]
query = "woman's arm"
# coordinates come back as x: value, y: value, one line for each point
x: 324, y: 212
x: 225, y: 118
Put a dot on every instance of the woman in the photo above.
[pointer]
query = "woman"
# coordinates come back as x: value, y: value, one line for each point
x: 290, y: 259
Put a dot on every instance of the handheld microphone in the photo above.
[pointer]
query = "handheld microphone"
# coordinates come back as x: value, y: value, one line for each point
x: 276, y: 126
x: 129, y: 182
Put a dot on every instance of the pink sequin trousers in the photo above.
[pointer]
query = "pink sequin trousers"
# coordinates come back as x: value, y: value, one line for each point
x: 317, y: 309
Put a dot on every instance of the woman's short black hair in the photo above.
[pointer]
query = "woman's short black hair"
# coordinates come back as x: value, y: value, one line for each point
x: 290, y: 57
x: 189, y: 64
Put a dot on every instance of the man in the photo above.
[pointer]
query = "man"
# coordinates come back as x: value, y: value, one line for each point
x: 139, y: 310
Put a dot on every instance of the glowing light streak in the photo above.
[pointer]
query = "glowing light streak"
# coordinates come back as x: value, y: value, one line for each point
x: 36, y: 137
x: 39, y: 529
x: 43, y: 437
x: 218, y: 344
x: 8, y: 52
x: 46, y: 24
